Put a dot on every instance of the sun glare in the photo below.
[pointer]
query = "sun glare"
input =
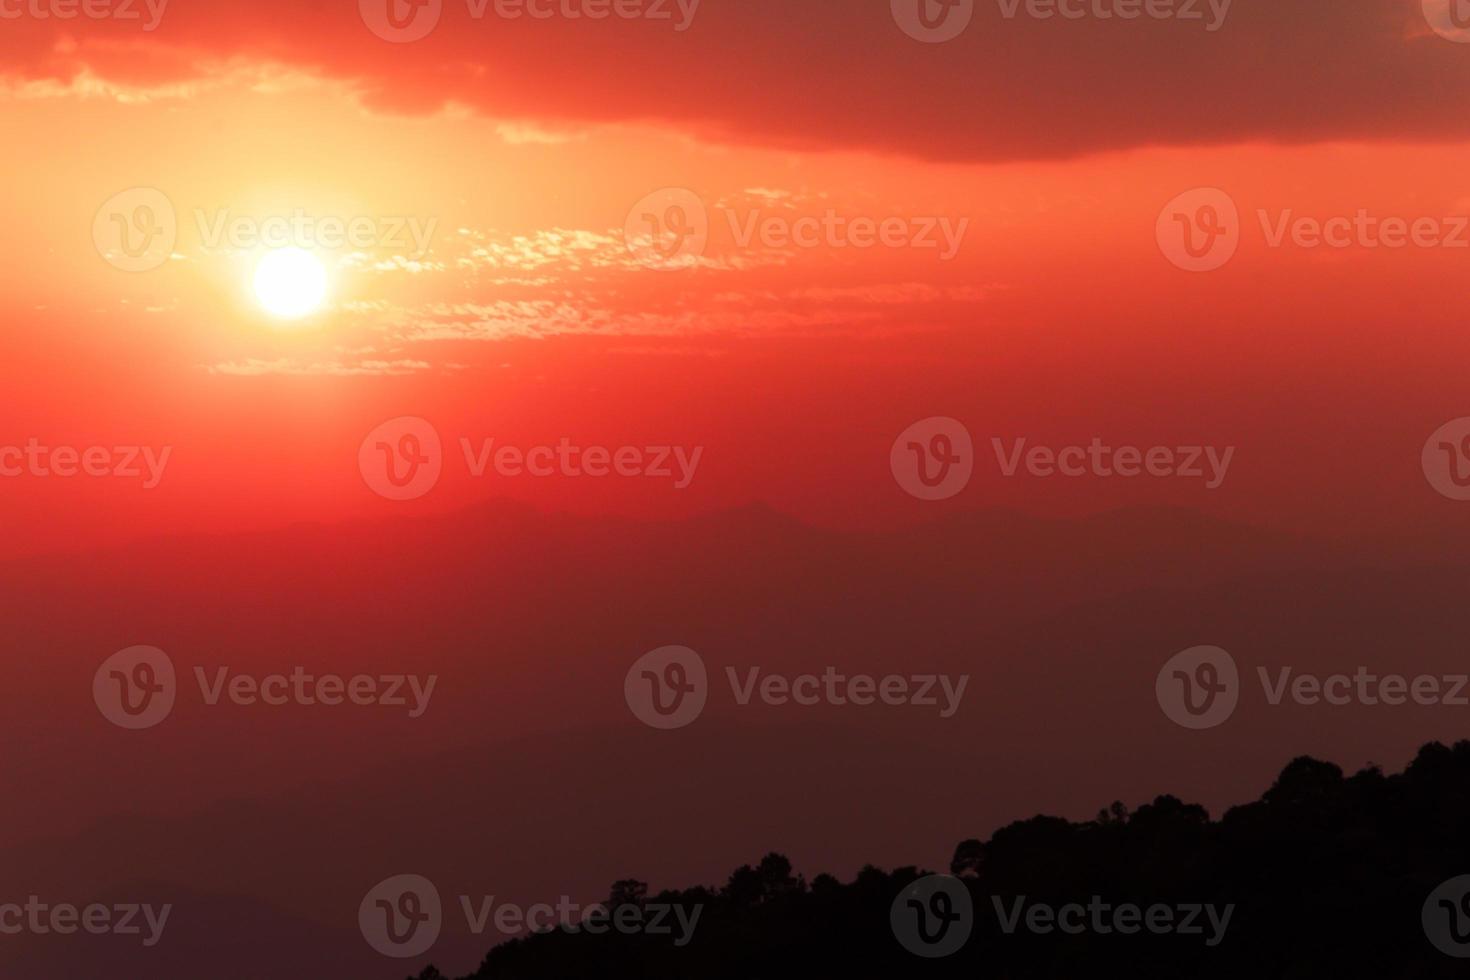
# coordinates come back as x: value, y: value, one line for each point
x: 290, y: 282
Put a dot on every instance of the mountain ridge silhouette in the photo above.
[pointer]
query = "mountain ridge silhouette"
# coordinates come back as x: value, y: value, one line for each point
x: 1327, y: 876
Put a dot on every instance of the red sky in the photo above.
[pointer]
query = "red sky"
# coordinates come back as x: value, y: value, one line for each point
x: 1047, y: 146
x: 1034, y: 175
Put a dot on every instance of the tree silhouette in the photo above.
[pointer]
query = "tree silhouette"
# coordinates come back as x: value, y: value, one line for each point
x: 1327, y: 875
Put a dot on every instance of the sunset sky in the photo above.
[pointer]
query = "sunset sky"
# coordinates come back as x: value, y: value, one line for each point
x: 516, y: 149
x: 283, y: 283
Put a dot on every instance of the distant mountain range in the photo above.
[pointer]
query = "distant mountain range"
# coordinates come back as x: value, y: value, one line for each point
x: 529, y: 777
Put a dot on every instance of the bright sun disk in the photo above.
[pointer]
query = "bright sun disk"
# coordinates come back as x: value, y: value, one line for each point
x: 290, y: 282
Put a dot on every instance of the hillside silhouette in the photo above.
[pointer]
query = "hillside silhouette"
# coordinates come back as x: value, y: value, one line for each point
x: 1327, y: 874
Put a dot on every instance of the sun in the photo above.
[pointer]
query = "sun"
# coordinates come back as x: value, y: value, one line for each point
x: 290, y: 282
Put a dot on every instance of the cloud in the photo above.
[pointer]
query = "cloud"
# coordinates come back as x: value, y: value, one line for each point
x: 834, y: 74
x: 258, y: 367
x: 881, y: 308
x: 539, y: 319
x: 519, y: 134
